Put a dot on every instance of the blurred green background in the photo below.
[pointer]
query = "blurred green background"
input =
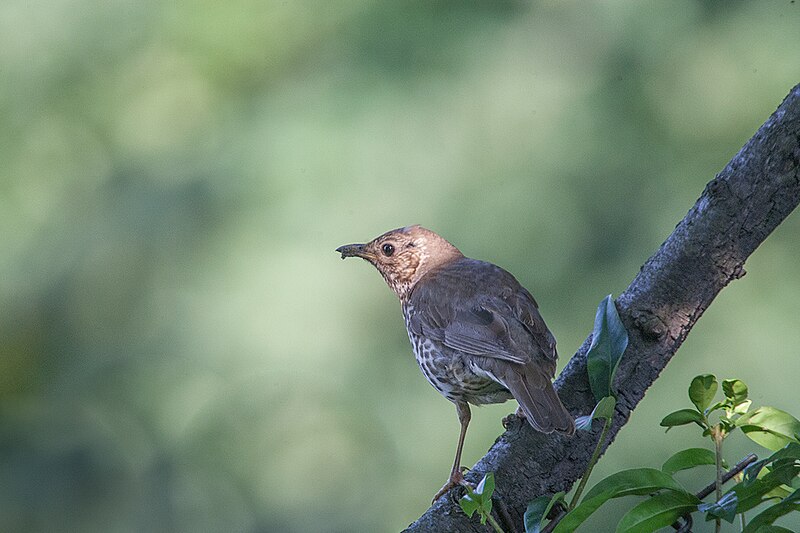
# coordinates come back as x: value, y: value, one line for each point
x: 181, y: 348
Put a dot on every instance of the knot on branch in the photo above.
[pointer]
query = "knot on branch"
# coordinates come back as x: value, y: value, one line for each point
x: 650, y: 325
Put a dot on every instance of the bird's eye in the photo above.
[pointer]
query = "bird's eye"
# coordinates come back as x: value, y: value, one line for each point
x: 387, y: 249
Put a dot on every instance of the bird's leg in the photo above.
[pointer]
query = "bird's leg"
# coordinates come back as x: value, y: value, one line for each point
x: 456, y: 476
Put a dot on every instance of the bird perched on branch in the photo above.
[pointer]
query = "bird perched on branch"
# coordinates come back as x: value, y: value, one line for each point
x: 476, y: 332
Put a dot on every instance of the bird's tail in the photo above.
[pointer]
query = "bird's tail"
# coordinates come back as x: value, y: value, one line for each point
x: 539, y: 400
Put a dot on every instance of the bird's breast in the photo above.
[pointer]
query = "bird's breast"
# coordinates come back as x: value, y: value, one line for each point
x: 450, y: 372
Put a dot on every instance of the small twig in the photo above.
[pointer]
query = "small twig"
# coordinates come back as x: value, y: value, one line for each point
x: 494, y: 523
x: 727, y: 476
x: 686, y: 526
x: 711, y: 487
x: 502, y: 513
x: 590, y: 466
x: 584, y: 479
x: 718, y: 436
x: 560, y: 513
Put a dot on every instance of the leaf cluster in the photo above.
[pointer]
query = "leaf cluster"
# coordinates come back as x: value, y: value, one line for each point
x: 773, y: 481
x: 773, y: 484
x: 479, y: 500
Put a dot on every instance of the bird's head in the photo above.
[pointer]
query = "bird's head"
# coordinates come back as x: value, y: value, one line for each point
x: 404, y: 255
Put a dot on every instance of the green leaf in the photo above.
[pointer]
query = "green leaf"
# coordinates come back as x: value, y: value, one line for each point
x: 785, y: 470
x: 535, y: 514
x: 637, y: 481
x: 486, y: 486
x: 604, y: 410
x: 742, y: 408
x: 690, y: 458
x: 753, y: 492
x: 725, y: 508
x: 479, y: 499
x: 659, y: 511
x: 682, y: 417
x: 735, y: 390
x: 538, y: 510
x: 778, y: 493
x: 715, y: 406
x: 726, y: 425
x: 702, y: 391
x: 485, y: 489
x: 781, y: 427
x: 609, y: 340
x: 770, y: 514
x: 469, y: 505
x: 750, y: 473
x: 770, y: 427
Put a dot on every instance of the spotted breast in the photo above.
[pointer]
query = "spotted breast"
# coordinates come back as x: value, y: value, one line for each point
x: 457, y: 378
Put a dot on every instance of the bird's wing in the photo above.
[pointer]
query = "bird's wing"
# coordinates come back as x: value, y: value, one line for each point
x: 482, y: 330
x: 526, y: 311
x: 502, y: 323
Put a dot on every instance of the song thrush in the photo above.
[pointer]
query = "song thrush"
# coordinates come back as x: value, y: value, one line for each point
x: 476, y: 332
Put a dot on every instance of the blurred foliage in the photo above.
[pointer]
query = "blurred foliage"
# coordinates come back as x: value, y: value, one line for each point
x: 180, y: 348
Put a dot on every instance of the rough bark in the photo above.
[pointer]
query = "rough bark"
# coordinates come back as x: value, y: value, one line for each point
x: 738, y: 209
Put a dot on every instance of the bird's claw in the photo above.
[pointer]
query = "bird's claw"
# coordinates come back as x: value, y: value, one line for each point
x: 456, y: 480
x: 509, y: 419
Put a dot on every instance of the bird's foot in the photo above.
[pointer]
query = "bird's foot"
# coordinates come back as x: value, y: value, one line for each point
x: 456, y: 479
x: 510, y: 418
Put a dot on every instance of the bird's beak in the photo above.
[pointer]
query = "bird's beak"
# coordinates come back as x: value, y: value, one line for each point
x: 354, y: 250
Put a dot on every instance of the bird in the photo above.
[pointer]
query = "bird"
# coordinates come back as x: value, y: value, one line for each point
x: 476, y: 332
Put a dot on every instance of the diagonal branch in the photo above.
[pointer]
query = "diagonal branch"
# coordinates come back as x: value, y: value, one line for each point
x: 736, y: 212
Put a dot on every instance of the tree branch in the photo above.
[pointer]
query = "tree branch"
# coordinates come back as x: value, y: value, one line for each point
x: 738, y: 209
